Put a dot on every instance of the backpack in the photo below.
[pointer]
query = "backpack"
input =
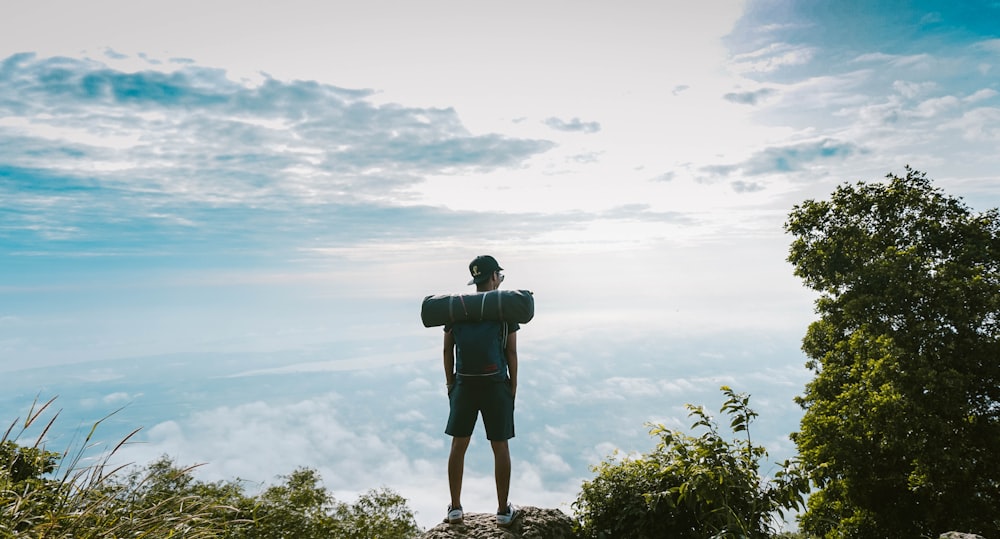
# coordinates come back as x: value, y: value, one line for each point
x: 480, y: 348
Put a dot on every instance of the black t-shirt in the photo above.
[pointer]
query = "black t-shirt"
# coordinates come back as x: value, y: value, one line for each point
x: 480, y: 348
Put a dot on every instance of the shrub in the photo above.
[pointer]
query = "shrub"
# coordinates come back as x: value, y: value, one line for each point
x: 690, y: 486
x: 51, y: 495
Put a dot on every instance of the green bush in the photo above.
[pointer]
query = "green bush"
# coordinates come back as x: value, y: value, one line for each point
x: 302, y: 508
x: 50, y: 495
x: 690, y: 486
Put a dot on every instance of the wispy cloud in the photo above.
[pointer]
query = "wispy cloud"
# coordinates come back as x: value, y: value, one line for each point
x: 978, y: 125
x: 644, y: 212
x: 96, y: 162
x: 895, y: 60
x: 743, y: 186
x: 910, y: 89
x: 87, y: 151
x: 573, y: 125
x: 773, y: 57
x: 991, y: 45
x: 315, y: 134
x: 783, y: 159
x: 890, y: 85
x: 749, y: 98
x: 906, y: 111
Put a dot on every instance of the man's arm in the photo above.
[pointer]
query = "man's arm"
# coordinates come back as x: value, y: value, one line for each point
x: 512, y: 361
x: 449, y: 359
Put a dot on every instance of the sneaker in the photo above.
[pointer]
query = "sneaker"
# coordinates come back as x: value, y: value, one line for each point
x: 504, y: 520
x: 454, y: 515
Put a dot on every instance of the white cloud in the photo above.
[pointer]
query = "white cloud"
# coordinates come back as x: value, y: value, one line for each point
x: 119, y: 397
x: 896, y: 60
x: 101, y: 375
x: 575, y: 124
x: 785, y: 159
x: 979, y: 124
x: 677, y: 386
x: 558, y: 433
x: 909, y: 89
x: 981, y: 95
x: 411, y: 416
x: 991, y: 45
x: 750, y: 97
x: 551, y: 462
x: 935, y: 106
x: 949, y: 111
x: 772, y: 58
x: 628, y: 387
x: 931, y: 18
x: 260, y: 441
x: 241, y: 144
x: 601, y: 451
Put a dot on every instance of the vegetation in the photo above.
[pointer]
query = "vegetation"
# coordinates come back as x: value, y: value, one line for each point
x: 690, y: 487
x: 902, y: 420
x: 49, y: 495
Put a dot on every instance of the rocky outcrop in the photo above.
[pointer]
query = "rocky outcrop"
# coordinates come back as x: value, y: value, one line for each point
x: 959, y: 535
x: 533, y: 523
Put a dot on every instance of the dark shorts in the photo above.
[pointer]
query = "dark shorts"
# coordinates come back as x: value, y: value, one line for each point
x: 491, y: 398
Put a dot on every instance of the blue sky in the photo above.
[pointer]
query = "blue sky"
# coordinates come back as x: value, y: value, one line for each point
x: 224, y: 216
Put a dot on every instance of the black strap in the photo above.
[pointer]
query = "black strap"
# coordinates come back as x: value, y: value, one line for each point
x: 503, y: 341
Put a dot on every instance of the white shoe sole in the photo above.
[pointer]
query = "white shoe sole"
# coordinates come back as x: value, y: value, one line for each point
x: 509, y: 523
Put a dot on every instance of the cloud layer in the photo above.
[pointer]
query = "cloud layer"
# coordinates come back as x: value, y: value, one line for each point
x: 92, y: 154
x: 380, y: 422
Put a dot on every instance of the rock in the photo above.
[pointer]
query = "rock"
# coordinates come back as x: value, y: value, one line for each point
x: 959, y: 535
x: 532, y: 523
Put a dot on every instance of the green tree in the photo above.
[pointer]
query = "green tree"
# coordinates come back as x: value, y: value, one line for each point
x: 302, y: 508
x: 902, y: 421
x: 690, y: 486
x: 378, y: 514
x: 163, y: 485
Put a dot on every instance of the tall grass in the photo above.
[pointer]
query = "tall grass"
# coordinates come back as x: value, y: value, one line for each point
x: 72, y: 494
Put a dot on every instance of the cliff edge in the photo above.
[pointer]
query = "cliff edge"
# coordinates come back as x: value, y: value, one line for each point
x: 533, y: 523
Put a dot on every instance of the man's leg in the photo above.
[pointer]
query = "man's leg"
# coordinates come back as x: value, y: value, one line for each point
x: 501, y: 470
x: 456, y: 468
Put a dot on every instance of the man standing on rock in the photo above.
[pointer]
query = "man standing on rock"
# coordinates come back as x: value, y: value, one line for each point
x: 480, y: 368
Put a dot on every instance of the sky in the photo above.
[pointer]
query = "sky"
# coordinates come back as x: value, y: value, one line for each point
x: 218, y: 220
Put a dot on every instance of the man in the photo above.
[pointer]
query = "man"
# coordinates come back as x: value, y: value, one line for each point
x: 480, y: 368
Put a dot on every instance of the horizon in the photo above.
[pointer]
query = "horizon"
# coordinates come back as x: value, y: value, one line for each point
x: 224, y: 218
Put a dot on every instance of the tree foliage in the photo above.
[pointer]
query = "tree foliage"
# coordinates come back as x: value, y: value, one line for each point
x: 902, y: 420
x: 690, y: 486
x: 302, y: 508
x: 52, y: 495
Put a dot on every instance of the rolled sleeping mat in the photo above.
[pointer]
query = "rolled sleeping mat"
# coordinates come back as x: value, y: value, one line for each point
x: 499, y: 305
